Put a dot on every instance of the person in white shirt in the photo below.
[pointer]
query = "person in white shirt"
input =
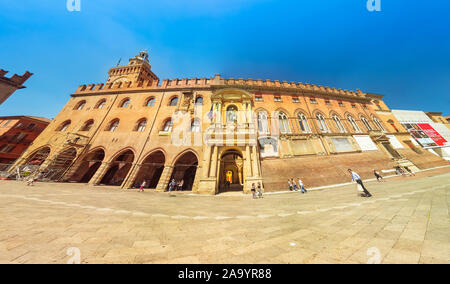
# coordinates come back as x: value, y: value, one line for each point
x: 356, y: 178
x: 300, y: 184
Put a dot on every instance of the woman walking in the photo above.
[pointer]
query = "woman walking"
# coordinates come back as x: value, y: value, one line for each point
x: 143, y: 184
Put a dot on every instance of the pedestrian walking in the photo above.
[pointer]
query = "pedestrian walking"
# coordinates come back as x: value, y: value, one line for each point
x: 357, y: 179
x: 289, y: 185
x: 302, y: 187
x: 143, y: 184
x: 172, y: 185
x: 260, y: 194
x: 254, y: 191
x: 294, y: 184
x: 378, y: 176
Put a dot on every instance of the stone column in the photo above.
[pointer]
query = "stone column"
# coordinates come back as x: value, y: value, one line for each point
x: 165, y: 178
x: 97, y: 178
x: 255, y: 162
x: 214, y: 162
x: 248, y: 162
x: 206, y: 162
x: 131, y: 176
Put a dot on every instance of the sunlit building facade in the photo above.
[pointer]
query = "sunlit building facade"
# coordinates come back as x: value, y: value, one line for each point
x: 207, y: 131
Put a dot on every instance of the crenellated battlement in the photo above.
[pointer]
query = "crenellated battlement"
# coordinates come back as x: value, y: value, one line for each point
x: 218, y: 81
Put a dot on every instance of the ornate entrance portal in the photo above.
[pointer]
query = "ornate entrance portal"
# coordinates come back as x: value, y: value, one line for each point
x: 231, y: 172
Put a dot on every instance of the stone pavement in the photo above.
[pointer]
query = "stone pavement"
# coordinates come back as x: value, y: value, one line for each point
x: 407, y: 221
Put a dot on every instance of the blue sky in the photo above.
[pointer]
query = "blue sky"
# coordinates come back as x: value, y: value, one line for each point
x: 402, y: 52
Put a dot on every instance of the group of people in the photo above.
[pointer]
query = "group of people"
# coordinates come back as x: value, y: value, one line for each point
x: 257, y: 192
x: 293, y: 185
x: 175, y: 185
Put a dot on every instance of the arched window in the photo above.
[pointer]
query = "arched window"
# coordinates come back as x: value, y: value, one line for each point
x: 64, y: 126
x: 366, y: 123
x: 141, y: 125
x: 167, y: 127
x: 262, y: 122
x: 150, y: 102
x: 113, y: 125
x: 303, y: 122
x: 322, y: 123
x: 339, y: 124
x: 87, y: 125
x: 80, y: 105
x: 195, y: 125
x: 101, y: 104
x: 199, y: 101
x: 284, y: 123
x: 125, y: 103
x: 379, y: 124
x: 173, y: 101
x: 354, y: 124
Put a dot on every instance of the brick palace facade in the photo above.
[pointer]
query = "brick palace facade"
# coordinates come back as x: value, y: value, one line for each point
x: 126, y: 131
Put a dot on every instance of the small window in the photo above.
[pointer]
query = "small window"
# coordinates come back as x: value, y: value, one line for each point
x: 341, y: 104
x: 173, y: 101
x: 113, y: 125
x: 64, y: 126
x: 87, y: 125
x: 258, y: 98
x: 142, y: 124
x: 313, y: 100
x: 199, y: 101
x: 327, y: 102
x: 295, y: 100
x: 167, y: 127
x: 101, y: 104
x: 353, y: 106
x: 277, y: 99
x: 80, y: 105
x: 125, y: 103
x: 31, y: 126
x: 150, y: 102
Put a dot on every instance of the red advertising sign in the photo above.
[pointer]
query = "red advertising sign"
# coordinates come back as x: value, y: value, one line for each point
x: 433, y: 134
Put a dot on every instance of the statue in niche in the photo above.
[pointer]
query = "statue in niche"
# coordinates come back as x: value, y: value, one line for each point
x: 232, y: 114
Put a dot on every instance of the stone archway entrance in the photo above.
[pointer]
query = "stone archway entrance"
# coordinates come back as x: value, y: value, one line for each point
x: 185, y: 169
x: 39, y: 157
x: 91, y: 163
x: 119, y: 169
x: 231, y: 174
x: 151, y: 170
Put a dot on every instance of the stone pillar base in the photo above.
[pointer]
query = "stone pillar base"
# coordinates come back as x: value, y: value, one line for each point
x: 207, y: 186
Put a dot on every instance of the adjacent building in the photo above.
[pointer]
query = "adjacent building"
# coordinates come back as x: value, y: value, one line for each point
x: 219, y: 134
x: 17, y: 133
x: 9, y: 85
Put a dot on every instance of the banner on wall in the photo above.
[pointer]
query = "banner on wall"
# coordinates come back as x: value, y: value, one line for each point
x: 433, y: 134
x: 419, y: 135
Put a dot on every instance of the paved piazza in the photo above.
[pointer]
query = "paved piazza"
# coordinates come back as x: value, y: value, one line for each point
x: 407, y: 221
